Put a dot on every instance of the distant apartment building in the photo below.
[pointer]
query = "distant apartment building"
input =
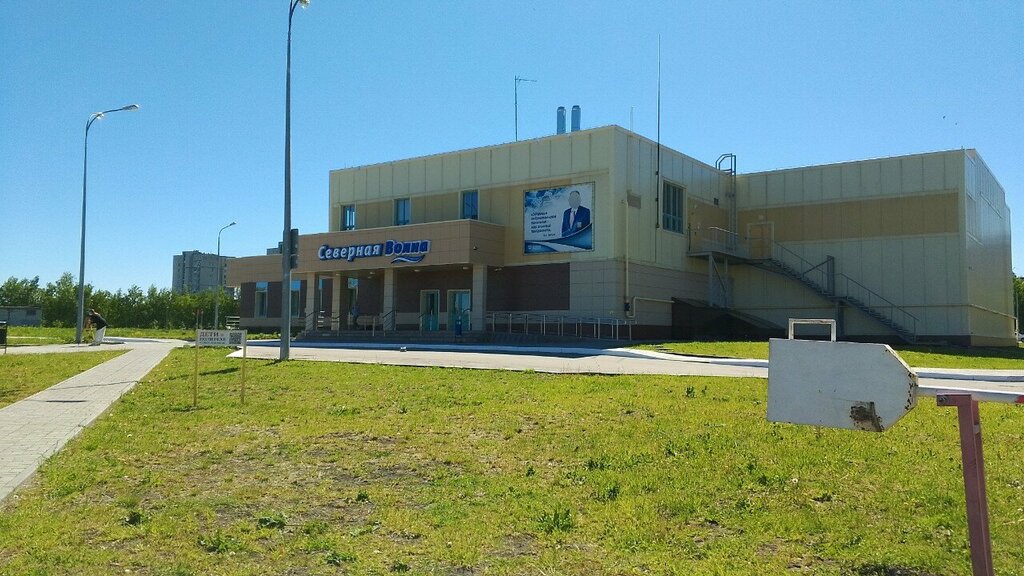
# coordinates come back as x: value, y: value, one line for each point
x: 196, y: 271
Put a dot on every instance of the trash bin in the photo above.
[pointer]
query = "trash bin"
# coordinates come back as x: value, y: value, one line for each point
x: 3, y: 335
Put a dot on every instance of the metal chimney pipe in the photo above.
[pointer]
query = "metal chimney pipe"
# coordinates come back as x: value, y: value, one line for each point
x: 560, y: 121
x: 575, y: 118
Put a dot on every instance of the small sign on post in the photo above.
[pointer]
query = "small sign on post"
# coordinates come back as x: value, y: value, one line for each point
x: 213, y: 338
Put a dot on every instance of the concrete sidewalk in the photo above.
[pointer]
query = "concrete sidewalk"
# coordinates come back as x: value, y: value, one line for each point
x: 35, y: 428
x: 562, y: 360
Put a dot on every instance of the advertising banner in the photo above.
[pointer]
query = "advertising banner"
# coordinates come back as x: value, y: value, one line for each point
x: 559, y: 219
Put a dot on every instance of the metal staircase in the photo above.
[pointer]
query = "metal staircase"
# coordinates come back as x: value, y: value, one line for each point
x: 839, y: 288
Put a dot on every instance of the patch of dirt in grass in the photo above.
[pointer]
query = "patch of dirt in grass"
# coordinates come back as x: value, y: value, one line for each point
x: 888, y: 570
x: 516, y: 545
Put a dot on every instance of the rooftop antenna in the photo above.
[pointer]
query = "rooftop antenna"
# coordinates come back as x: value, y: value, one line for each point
x: 631, y: 108
x: 516, y: 101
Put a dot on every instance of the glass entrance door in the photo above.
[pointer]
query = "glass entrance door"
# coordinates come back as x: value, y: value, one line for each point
x: 429, y: 306
x: 459, y: 302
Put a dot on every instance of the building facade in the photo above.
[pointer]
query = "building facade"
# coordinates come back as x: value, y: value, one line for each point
x: 584, y: 229
x: 196, y: 271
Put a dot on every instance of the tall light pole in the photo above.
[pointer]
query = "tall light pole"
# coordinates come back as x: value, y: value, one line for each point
x: 516, y: 101
x: 286, y: 244
x: 80, y: 320
x: 220, y: 281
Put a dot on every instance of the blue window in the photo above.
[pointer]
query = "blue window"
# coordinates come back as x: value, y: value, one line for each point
x: 471, y: 205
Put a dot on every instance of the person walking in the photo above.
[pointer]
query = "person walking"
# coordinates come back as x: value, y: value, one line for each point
x: 95, y: 319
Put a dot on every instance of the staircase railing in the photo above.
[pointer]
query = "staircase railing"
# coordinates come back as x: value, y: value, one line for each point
x: 823, y: 278
x: 715, y: 239
x: 821, y: 275
x: 858, y: 293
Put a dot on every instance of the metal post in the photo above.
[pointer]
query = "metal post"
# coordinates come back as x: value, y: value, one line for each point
x: 80, y: 320
x: 974, y: 479
x: 286, y: 245
x: 220, y: 281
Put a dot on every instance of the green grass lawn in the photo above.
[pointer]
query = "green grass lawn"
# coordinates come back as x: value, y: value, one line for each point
x: 918, y: 356
x: 22, y: 375
x: 363, y: 469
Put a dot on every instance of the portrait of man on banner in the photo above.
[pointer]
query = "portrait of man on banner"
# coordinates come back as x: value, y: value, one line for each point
x: 559, y: 219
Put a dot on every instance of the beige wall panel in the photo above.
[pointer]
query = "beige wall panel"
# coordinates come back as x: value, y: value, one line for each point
x: 359, y: 186
x: 482, y: 170
x: 601, y: 149
x: 252, y: 269
x: 912, y: 174
x: 831, y: 183
x: 870, y: 178
x: 540, y: 159
x: 934, y: 177
x: 373, y: 189
x: 776, y: 188
x: 400, y: 179
x: 851, y: 180
x: 501, y: 162
x: 561, y: 153
x: 812, y: 184
x: 417, y: 176
x: 891, y: 178
x: 954, y: 169
x: 450, y: 168
x: 467, y: 171
x: 581, y: 153
x: 520, y: 162
x: 434, y: 171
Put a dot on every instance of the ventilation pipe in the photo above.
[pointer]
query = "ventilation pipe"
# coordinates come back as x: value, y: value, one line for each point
x: 560, y: 121
x: 576, y: 118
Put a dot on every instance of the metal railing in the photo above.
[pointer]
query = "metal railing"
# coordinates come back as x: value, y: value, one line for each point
x: 824, y: 279
x: 715, y: 239
x: 854, y: 291
x: 561, y: 325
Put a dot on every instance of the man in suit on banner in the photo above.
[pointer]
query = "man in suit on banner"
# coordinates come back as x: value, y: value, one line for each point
x: 577, y: 217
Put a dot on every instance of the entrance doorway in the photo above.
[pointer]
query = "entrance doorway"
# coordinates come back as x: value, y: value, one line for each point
x: 459, y: 302
x: 429, y: 306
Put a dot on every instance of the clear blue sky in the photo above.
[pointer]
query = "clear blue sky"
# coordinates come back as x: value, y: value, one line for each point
x: 778, y: 83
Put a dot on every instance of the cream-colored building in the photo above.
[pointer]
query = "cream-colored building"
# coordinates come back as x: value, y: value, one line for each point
x: 573, y: 233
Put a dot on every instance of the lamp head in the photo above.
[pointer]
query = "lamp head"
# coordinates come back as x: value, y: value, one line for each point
x: 131, y: 107
x: 303, y: 3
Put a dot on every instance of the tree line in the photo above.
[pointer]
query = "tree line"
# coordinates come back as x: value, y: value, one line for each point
x: 154, y: 308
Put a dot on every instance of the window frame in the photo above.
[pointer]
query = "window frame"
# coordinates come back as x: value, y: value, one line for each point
x: 407, y: 204
x: 347, y: 209
x: 672, y: 211
x: 262, y: 289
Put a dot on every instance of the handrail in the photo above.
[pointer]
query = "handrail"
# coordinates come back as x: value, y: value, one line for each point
x: 879, y: 303
x: 384, y: 320
x: 578, y: 326
x: 713, y: 238
x: 837, y: 285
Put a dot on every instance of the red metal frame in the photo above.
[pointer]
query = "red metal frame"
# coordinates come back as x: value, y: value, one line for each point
x: 974, y: 479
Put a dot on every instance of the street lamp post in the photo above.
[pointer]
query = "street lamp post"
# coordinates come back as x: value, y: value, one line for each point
x: 286, y: 244
x: 220, y: 281
x: 80, y: 320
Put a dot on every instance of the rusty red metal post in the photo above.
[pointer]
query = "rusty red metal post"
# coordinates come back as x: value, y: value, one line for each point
x: 974, y: 479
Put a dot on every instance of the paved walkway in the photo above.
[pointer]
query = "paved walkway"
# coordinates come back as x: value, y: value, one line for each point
x: 35, y: 428
x: 595, y: 361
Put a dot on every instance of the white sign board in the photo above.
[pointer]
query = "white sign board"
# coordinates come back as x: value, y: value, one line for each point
x: 838, y: 384
x: 558, y: 219
x: 220, y: 337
